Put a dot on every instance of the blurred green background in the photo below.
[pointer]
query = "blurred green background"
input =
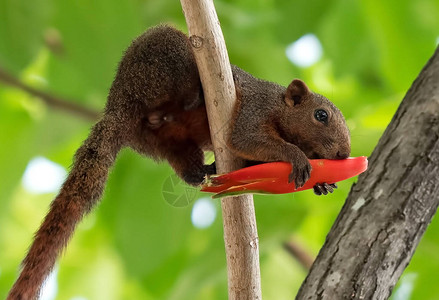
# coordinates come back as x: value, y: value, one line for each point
x: 139, y: 245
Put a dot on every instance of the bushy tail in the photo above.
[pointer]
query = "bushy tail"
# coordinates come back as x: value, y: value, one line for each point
x: 79, y: 193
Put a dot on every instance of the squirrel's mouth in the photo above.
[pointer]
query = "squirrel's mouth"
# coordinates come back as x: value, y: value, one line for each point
x: 308, y: 150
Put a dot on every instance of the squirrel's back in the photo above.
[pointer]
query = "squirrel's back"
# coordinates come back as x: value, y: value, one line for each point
x: 157, y: 67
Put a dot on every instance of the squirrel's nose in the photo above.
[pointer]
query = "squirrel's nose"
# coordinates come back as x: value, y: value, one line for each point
x: 342, y: 154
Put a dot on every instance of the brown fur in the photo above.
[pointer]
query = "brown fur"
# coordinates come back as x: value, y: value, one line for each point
x: 156, y: 107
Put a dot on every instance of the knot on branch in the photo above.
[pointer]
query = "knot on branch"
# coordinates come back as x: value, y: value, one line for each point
x: 196, y: 41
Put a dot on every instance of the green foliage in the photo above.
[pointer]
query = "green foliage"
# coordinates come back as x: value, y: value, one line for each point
x: 138, y: 246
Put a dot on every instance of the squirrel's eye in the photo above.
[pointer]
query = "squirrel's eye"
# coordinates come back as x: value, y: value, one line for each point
x: 321, y: 115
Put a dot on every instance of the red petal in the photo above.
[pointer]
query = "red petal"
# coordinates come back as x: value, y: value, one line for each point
x: 273, y: 177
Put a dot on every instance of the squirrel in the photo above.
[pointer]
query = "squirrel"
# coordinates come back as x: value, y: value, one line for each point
x: 156, y: 106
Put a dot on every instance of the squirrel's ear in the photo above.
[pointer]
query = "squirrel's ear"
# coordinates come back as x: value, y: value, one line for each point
x: 296, y: 92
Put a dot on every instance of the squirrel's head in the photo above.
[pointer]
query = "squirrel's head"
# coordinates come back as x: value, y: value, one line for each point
x: 314, y: 123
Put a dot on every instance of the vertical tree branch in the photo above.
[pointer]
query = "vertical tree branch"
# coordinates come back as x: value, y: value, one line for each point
x: 389, y: 209
x: 240, y: 232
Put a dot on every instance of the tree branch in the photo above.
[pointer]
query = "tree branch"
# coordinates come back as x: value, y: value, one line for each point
x: 240, y: 232
x: 51, y: 100
x: 299, y: 253
x: 389, y: 209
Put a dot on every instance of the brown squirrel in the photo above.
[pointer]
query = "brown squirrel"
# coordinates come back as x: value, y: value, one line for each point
x: 156, y: 106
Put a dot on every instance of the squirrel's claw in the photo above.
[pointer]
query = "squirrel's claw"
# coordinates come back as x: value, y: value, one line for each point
x: 324, y: 188
x: 300, y: 173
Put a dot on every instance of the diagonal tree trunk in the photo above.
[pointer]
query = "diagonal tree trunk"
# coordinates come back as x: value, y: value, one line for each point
x: 389, y: 209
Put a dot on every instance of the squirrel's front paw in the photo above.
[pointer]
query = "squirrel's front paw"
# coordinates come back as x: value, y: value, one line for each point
x: 196, y: 176
x: 324, y: 188
x: 194, y: 179
x: 301, y: 171
x: 210, y: 169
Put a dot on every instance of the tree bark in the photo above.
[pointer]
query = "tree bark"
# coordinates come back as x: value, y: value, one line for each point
x: 240, y: 231
x: 389, y: 209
